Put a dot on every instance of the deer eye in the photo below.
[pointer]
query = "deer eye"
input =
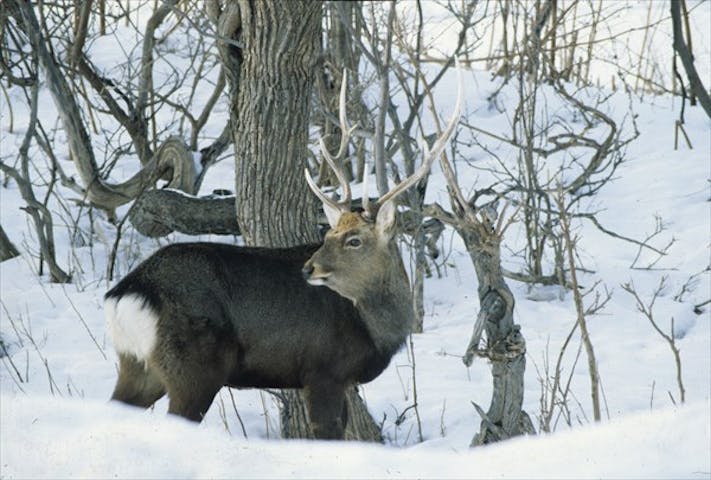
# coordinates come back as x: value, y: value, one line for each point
x: 354, y: 242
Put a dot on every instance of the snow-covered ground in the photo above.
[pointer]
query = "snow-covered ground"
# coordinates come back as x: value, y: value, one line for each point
x: 55, y: 421
x: 63, y: 438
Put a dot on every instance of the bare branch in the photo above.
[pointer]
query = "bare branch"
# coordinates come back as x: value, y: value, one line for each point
x: 81, y: 31
x: 648, y: 311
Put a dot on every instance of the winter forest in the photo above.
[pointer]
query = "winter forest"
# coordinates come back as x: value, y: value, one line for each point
x: 445, y: 239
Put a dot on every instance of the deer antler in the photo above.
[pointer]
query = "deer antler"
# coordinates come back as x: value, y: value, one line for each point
x: 334, y: 208
x: 345, y: 204
x: 429, y: 155
x: 448, y: 171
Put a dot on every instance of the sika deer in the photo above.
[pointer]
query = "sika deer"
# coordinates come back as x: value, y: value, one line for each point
x: 194, y: 317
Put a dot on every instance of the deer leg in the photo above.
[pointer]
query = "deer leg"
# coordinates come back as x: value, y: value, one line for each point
x: 192, y: 384
x: 344, y: 412
x: 191, y: 403
x: 325, y: 402
x: 192, y: 375
x: 193, y: 358
x: 137, y: 384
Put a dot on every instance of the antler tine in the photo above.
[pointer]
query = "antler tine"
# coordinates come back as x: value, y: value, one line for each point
x: 345, y: 137
x: 365, y: 200
x: 322, y: 196
x: 337, y: 170
x: 430, y: 155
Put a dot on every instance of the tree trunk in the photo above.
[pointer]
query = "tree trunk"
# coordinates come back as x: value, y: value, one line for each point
x: 270, y: 118
x: 505, y: 345
x: 270, y: 114
x: 294, y: 419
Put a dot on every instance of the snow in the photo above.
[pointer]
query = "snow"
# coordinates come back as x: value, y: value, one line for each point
x: 56, y: 421
x: 91, y: 439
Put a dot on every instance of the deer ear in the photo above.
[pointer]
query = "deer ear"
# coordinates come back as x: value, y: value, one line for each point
x: 385, y: 221
x: 332, y: 214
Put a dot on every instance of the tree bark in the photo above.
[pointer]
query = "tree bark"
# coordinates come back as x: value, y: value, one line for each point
x: 271, y: 95
x: 482, y: 230
x: 270, y: 114
x: 505, y: 345
x: 157, y: 213
x: 295, y: 424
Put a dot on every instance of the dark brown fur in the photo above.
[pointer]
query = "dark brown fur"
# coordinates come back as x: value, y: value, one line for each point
x: 245, y: 317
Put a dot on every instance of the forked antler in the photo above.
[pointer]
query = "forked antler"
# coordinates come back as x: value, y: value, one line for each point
x: 428, y: 158
x: 345, y: 204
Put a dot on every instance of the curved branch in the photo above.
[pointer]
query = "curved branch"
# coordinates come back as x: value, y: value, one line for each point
x: 172, y: 156
x: 128, y: 119
x: 599, y: 226
x: 145, y: 82
x: 687, y: 59
x: 601, y: 149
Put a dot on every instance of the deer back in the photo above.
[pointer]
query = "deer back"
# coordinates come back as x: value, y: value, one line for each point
x: 249, y: 308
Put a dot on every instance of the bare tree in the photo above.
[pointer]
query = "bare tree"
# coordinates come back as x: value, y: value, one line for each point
x: 482, y: 229
x: 569, y: 244
x: 97, y: 190
x: 131, y: 105
x: 37, y: 210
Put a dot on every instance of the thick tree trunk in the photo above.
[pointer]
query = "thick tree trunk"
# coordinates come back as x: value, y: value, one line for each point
x: 295, y: 424
x: 270, y: 121
x: 270, y: 118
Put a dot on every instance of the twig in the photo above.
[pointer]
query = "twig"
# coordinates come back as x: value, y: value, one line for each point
x: 83, y: 322
x: 239, y: 417
x: 648, y: 311
x: 414, y: 390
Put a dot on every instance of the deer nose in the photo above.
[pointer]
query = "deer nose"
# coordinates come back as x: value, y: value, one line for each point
x: 307, y: 271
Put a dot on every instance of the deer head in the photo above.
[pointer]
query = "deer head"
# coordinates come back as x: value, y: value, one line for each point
x: 359, y: 256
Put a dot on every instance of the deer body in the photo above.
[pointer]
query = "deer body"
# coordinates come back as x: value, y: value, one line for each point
x: 246, y: 317
x: 195, y: 317
x: 240, y: 317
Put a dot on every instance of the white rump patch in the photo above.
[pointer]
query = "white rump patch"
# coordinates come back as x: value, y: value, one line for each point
x: 132, y: 326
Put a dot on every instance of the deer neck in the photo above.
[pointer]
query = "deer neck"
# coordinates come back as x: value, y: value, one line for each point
x: 387, y: 312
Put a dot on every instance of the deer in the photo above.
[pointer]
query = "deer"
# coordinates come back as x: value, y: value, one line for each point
x: 194, y: 317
